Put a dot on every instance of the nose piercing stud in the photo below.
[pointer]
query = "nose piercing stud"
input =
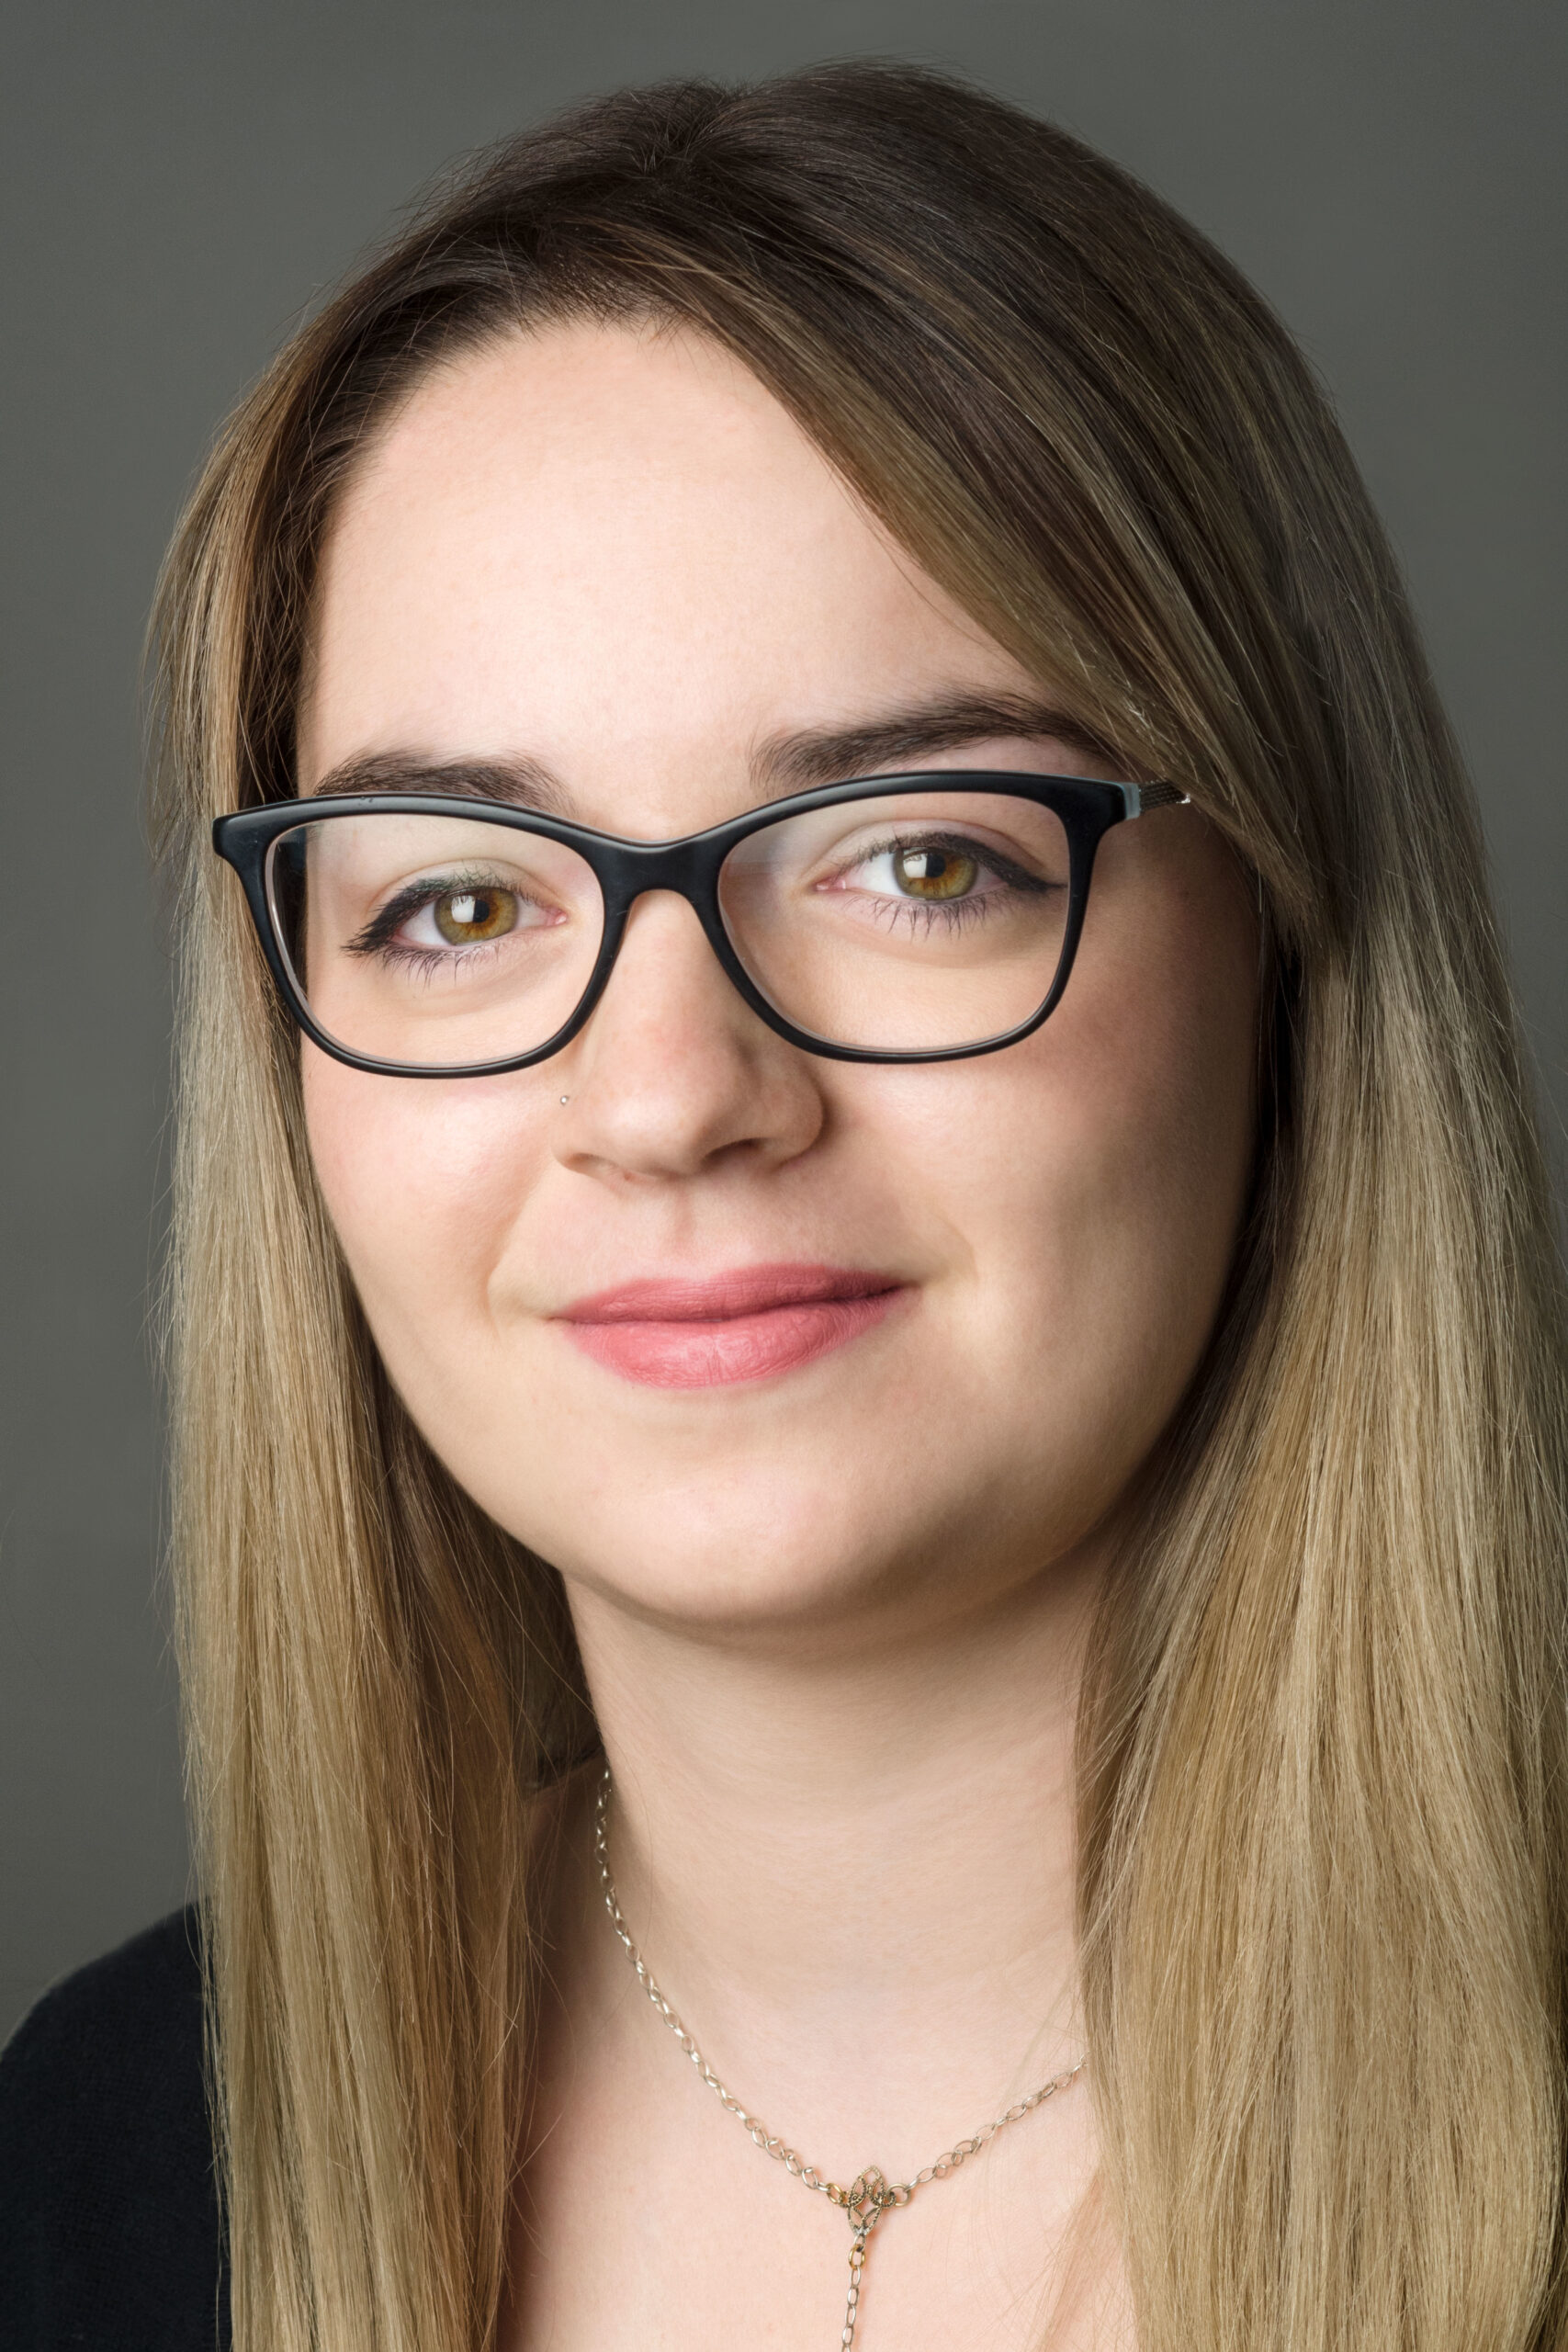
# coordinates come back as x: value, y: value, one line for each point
x: 566, y: 1098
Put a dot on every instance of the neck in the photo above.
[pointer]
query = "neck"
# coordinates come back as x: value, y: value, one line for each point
x: 850, y: 1865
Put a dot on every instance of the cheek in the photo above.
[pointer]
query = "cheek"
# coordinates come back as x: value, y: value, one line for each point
x: 1108, y: 1170
x: 424, y: 1183
x: 1166, y: 1072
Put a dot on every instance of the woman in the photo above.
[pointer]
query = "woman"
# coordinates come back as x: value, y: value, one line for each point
x: 932, y: 1420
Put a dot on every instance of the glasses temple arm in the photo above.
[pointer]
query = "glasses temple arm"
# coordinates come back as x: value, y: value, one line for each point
x: 1138, y: 799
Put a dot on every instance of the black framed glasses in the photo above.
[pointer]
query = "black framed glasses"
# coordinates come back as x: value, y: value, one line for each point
x: 898, y: 919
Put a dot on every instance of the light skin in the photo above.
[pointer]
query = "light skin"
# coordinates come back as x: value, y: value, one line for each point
x: 831, y: 1617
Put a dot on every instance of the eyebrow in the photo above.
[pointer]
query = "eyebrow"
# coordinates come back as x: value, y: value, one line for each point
x: 526, y: 783
x: 794, y: 762
x: 782, y: 763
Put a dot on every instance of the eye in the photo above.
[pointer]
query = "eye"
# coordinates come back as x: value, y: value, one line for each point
x: 933, y: 873
x: 928, y: 870
x: 474, y: 913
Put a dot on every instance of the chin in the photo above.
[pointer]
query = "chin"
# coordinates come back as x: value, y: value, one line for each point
x: 737, y: 1571
x: 753, y: 1558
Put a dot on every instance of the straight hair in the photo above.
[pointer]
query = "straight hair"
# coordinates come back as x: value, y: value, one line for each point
x: 1322, y: 1913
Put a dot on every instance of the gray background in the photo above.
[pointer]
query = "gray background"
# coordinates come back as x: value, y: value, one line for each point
x: 184, y: 177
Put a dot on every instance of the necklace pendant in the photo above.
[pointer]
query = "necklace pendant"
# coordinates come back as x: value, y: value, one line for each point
x: 866, y: 2200
x: 869, y: 2198
x: 863, y: 2230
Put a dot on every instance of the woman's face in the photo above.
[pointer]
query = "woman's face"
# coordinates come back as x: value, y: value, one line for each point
x: 606, y: 554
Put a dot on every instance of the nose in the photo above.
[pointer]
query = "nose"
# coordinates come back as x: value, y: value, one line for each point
x: 675, y: 1075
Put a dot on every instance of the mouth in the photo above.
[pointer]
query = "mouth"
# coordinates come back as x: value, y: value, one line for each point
x: 759, y: 1321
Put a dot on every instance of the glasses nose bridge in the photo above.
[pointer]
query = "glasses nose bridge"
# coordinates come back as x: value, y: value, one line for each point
x: 632, y: 870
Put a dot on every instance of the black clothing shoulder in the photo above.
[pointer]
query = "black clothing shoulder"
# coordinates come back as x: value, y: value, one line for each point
x: 109, y: 2231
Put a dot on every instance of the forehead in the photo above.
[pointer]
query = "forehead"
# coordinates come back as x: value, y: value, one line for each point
x: 595, y: 545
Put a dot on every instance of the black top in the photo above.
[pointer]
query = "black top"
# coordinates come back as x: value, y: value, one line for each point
x: 109, y: 2232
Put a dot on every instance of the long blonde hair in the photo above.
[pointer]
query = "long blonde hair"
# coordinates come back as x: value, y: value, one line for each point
x: 1322, y: 1801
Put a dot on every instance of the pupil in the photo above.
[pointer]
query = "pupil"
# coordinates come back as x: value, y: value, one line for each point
x: 936, y: 873
x: 468, y: 915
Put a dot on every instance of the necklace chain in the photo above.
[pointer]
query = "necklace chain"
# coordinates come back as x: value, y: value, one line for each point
x: 870, y: 2194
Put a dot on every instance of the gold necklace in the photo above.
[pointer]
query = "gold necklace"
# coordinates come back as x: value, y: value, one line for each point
x: 870, y: 2194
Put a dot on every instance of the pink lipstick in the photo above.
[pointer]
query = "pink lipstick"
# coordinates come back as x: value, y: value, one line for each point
x: 740, y: 1325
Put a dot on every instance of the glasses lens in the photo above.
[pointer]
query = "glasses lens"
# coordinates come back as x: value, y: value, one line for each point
x: 915, y: 922
x: 434, y: 941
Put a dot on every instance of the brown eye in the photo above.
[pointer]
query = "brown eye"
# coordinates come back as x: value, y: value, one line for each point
x: 464, y: 916
x: 934, y: 873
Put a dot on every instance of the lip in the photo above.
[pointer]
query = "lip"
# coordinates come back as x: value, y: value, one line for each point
x: 705, y: 1333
